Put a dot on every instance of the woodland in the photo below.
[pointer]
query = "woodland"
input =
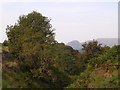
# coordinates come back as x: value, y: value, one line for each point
x: 32, y: 58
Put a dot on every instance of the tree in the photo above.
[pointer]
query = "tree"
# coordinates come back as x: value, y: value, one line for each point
x: 30, y: 41
x: 92, y: 49
x: 67, y: 59
x: 5, y: 43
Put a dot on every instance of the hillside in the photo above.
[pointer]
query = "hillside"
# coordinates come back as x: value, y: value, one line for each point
x: 101, y: 72
x: 75, y: 45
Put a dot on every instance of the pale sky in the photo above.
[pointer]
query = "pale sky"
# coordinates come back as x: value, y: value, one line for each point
x: 73, y: 19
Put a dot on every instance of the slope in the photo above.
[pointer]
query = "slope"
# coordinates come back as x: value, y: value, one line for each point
x: 101, y: 72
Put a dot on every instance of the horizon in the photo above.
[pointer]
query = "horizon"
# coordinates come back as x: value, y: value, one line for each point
x: 90, y: 40
x: 85, y: 40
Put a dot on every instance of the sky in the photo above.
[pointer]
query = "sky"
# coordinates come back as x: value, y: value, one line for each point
x: 80, y: 20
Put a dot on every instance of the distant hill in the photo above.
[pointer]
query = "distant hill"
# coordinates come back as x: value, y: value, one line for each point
x: 104, y: 41
x: 75, y: 45
x: 108, y: 41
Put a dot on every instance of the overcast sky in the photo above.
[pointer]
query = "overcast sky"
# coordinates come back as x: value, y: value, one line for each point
x: 73, y: 19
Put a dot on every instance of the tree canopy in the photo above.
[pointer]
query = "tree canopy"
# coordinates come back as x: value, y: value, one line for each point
x: 30, y: 41
x: 92, y: 49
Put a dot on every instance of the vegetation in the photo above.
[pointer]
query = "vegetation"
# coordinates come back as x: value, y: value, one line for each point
x: 32, y: 58
x: 0, y: 47
x: 101, y: 71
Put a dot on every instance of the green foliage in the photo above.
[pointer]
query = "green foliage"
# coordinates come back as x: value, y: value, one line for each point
x: 110, y: 82
x: 32, y: 44
x: 109, y: 57
x: 67, y: 59
x: 13, y: 79
x: 31, y: 41
x: 5, y: 43
x: 92, y: 49
x: 32, y: 58
x: 101, y: 72
x: 0, y: 47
